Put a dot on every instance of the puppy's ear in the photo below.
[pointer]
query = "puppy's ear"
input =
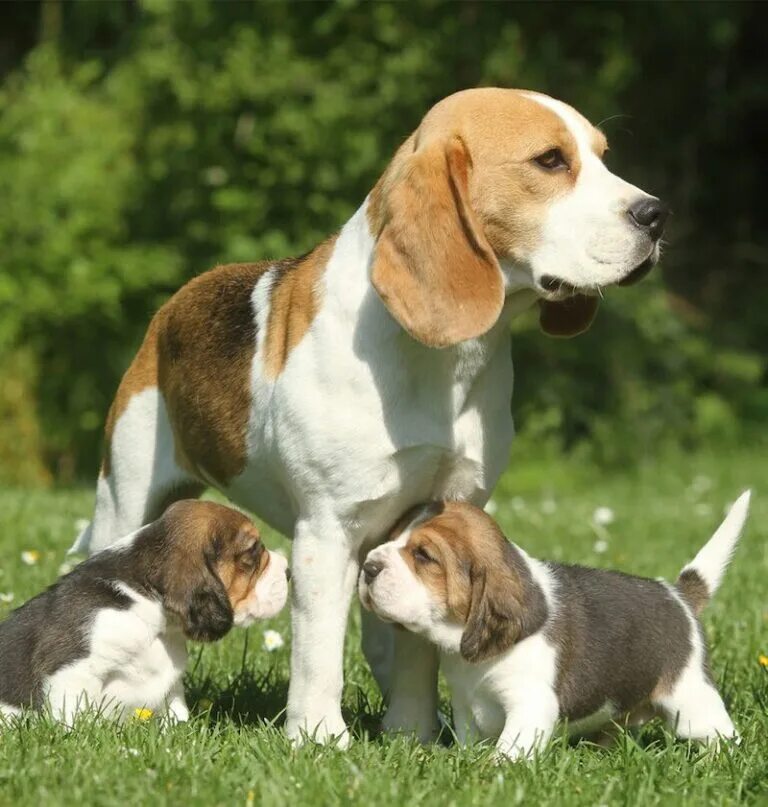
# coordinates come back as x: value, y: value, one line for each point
x: 494, y: 622
x: 568, y: 317
x: 197, y: 596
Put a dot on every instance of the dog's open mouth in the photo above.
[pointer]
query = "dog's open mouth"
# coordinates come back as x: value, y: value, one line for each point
x: 557, y: 289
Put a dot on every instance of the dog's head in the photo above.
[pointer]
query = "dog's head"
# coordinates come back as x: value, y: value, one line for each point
x: 212, y: 570
x: 498, y: 190
x: 449, y: 574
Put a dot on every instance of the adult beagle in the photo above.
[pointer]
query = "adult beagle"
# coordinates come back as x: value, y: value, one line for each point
x: 524, y: 643
x: 112, y: 633
x: 330, y: 393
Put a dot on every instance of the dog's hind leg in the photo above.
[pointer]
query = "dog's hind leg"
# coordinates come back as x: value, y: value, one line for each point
x: 695, y: 710
x: 140, y: 476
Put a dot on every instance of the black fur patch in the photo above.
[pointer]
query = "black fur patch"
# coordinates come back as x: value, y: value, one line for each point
x: 619, y: 637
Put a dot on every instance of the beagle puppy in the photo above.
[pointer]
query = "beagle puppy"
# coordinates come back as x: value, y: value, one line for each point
x: 525, y: 643
x: 112, y: 633
x: 331, y: 392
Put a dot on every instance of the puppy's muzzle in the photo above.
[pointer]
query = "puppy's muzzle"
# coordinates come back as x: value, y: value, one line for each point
x: 371, y: 570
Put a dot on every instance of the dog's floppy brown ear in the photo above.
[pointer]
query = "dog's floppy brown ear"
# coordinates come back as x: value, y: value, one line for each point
x: 494, y: 622
x: 433, y: 267
x: 194, y: 592
x: 568, y: 317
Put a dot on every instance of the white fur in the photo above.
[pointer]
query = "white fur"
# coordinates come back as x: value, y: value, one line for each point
x: 712, y: 559
x: 6, y: 711
x: 362, y: 423
x: 588, y: 239
x: 512, y: 698
x: 143, y: 472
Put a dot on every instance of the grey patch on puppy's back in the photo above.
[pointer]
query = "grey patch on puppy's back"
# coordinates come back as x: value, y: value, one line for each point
x: 619, y: 639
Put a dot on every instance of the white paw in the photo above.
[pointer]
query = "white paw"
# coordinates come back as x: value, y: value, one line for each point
x: 176, y: 713
x: 323, y: 730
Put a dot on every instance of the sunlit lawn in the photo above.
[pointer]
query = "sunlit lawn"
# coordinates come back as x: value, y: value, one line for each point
x: 232, y: 751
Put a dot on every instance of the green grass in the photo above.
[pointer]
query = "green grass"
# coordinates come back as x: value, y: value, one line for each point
x: 232, y: 751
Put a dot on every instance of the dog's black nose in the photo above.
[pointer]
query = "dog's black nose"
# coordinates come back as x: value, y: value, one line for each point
x: 650, y: 214
x: 288, y: 573
x: 371, y: 569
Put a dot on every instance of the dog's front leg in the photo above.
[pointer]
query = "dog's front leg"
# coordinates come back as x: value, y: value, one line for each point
x: 413, y: 688
x: 529, y: 722
x: 324, y: 572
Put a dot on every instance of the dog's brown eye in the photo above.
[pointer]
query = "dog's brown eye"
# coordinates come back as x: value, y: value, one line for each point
x: 422, y: 556
x: 551, y: 160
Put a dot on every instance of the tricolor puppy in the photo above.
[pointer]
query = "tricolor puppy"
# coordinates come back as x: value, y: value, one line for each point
x: 330, y: 393
x: 112, y: 633
x: 525, y: 643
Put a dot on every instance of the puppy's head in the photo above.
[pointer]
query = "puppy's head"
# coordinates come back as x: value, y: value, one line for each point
x: 503, y: 189
x: 212, y: 569
x: 448, y: 573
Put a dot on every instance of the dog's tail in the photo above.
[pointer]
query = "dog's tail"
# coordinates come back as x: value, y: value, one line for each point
x: 700, y: 579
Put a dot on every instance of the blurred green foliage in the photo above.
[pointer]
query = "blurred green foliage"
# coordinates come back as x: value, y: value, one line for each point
x: 141, y: 143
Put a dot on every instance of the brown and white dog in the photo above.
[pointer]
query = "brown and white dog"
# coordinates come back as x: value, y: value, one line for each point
x: 525, y: 643
x: 330, y: 393
x: 111, y: 634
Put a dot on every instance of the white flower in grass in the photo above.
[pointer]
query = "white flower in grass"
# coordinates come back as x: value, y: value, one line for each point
x: 30, y: 557
x: 701, y: 484
x: 272, y: 640
x: 548, y: 506
x: 601, y: 547
x: 6, y: 597
x: 491, y: 507
x: 603, y: 516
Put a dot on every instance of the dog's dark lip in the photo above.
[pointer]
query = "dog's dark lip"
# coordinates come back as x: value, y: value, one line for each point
x: 637, y: 274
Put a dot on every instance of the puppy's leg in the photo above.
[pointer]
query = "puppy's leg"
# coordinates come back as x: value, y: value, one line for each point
x: 378, y: 643
x: 139, y: 477
x: 695, y: 710
x: 176, y: 705
x: 463, y: 720
x: 530, y: 720
x: 413, y: 691
x: 73, y: 690
x: 324, y: 572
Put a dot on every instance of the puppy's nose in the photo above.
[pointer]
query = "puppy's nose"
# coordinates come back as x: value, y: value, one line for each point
x: 371, y: 569
x: 650, y: 214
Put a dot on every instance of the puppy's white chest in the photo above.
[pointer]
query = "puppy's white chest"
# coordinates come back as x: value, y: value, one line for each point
x: 146, y: 678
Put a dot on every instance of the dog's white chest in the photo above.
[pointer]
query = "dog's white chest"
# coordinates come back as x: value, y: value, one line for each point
x: 146, y: 679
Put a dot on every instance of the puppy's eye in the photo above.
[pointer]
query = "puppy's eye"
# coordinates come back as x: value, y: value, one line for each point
x: 552, y: 160
x: 251, y: 556
x: 422, y: 556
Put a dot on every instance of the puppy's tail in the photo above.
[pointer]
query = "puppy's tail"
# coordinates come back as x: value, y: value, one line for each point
x: 700, y: 579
